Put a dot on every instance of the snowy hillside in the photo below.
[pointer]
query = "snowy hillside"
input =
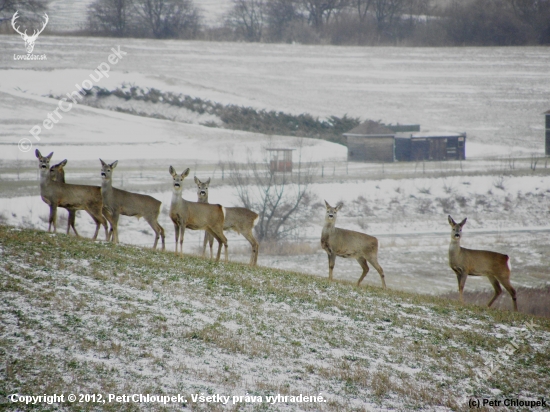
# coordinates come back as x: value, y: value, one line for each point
x: 83, y: 317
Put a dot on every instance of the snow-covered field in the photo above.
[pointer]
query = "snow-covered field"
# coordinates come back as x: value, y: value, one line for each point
x: 496, y: 95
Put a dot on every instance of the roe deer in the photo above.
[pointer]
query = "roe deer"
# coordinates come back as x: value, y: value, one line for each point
x: 120, y: 202
x: 57, y: 173
x: 56, y: 194
x: 464, y: 262
x: 238, y: 219
x: 348, y: 243
x: 195, y: 216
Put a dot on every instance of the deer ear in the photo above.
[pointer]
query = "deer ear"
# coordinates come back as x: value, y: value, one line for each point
x: 197, y: 181
x: 63, y: 163
x: 49, y: 156
x: 208, y: 181
x: 339, y: 206
x: 172, y: 171
x: 102, y: 163
x: 326, y: 204
x: 113, y: 165
x: 463, y: 222
x: 451, y: 221
x: 185, y: 172
x: 37, y: 153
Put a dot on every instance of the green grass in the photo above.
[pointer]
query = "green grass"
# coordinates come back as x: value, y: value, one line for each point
x: 89, y: 317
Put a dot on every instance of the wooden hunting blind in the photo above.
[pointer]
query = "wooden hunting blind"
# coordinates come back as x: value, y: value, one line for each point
x: 370, y: 142
x: 429, y: 146
x: 377, y: 142
x: 280, y: 160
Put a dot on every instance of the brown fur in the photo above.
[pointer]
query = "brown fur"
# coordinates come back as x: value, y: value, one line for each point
x: 470, y: 262
x: 238, y: 219
x: 349, y: 244
x: 71, y: 197
x: 195, y: 216
x: 120, y: 202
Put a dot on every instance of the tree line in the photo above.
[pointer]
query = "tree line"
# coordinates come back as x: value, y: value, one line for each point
x: 337, y: 22
x: 346, y: 22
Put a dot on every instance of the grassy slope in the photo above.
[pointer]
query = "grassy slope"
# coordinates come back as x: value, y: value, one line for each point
x: 84, y: 317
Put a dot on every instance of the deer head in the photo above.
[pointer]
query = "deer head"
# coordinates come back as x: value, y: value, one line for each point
x: 456, y: 232
x: 202, y: 188
x: 29, y: 40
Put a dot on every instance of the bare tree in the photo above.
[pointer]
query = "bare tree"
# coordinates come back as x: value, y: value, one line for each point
x: 362, y: 7
x: 320, y: 11
x: 111, y: 16
x: 536, y: 14
x: 247, y: 19
x: 169, y: 18
x: 280, y: 199
x: 386, y: 11
x: 30, y: 10
x: 280, y: 14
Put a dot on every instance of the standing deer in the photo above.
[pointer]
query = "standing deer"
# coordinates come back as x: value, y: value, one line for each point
x: 464, y: 262
x: 29, y: 40
x: 56, y: 194
x: 348, y: 243
x: 57, y: 173
x: 195, y: 216
x: 120, y: 202
x: 238, y: 219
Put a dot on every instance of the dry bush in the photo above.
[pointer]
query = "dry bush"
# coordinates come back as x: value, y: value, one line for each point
x: 425, y: 206
x: 533, y: 301
x: 446, y: 203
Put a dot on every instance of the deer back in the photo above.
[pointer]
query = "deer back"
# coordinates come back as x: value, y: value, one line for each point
x: 71, y: 196
x: 480, y: 262
x: 204, y: 215
x: 131, y: 204
x: 349, y: 243
x: 239, y: 219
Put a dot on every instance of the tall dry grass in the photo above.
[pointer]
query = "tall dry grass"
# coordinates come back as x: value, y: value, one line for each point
x: 533, y: 301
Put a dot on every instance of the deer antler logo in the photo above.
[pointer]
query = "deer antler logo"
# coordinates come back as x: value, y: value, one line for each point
x: 29, y: 40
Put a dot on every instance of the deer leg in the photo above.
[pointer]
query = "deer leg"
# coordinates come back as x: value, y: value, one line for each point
x: 155, y: 226
x: 220, y: 237
x: 221, y: 240
x: 98, y: 221
x: 71, y: 221
x: 374, y: 263
x: 331, y: 262
x: 498, y: 290
x: 107, y: 217
x: 461, y: 278
x: 97, y: 226
x: 162, y: 236
x: 363, y: 262
x: 508, y: 286
x: 159, y: 232
x: 211, y: 243
x: 176, y: 234
x: 182, y: 233
x: 204, y: 242
x: 114, y: 228
x: 208, y: 239
x: 101, y: 217
x: 52, y: 219
x: 254, y: 243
